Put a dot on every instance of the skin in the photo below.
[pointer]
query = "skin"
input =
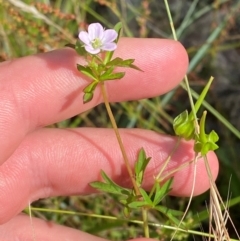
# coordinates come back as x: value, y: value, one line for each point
x: 38, y: 162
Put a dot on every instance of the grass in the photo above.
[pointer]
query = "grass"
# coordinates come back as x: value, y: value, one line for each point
x: 29, y: 27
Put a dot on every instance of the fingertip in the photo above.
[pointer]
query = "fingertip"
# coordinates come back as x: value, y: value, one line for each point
x: 163, y: 61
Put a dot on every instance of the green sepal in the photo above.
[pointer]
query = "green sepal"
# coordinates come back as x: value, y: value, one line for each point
x: 109, y: 54
x: 113, y: 76
x: 205, y: 142
x: 205, y: 148
x: 80, y: 49
x: 118, y: 29
x: 183, y: 126
x: 87, y: 97
x: 86, y: 70
x: 140, y: 166
x: 70, y: 46
x: 90, y: 88
x: 109, y: 186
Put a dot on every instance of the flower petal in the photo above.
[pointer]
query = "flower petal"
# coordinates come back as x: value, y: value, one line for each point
x: 109, y: 36
x: 91, y: 50
x: 109, y: 46
x: 95, y: 30
x: 84, y: 37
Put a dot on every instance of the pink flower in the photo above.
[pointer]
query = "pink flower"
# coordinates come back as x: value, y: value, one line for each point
x: 97, y: 39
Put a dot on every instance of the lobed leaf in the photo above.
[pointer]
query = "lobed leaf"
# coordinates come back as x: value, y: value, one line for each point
x: 109, y: 186
x: 90, y: 88
x: 162, y: 191
x: 169, y: 213
x: 146, y: 197
x: 138, y: 204
x: 87, y: 97
x: 86, y: 70
x: 113, y: 76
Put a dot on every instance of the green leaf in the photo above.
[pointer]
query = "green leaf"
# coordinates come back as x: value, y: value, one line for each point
x: 90, y: 88
x: 169, y: 214
x: 87, y: 97
x: 127, y: 62
x: 115, y: 62
x: 113, y: 76
x: 129, y: 198
x: 162, y: 191
x: 138, y: 204
x: 140, y: 166
x: 107, y: 72
x: 132, y: 66
x: 146, y: 198
x: 109, y: 186
x: 119, y: 62
x: 80, y: 49
x: 86, y: 70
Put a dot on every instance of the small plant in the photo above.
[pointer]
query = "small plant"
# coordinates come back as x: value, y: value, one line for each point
x: 57, y: 22
x: 97, y: 47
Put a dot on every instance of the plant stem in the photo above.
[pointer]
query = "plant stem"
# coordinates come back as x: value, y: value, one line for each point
x: 126, y: 161
x: 145, y: 222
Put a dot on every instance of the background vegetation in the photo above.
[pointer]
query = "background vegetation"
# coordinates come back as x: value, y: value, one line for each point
x: 210, y: 31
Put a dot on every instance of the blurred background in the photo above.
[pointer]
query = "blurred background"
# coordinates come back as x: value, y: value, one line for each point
x: 209, y: 30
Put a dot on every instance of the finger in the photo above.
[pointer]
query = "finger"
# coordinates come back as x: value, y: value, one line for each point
x: 46, y: 88
x: 52, y: 162
x: 21, y: 228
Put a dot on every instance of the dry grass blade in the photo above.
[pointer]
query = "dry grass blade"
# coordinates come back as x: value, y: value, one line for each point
x: 218, y: 218
x: 31, y: 222
x: 191, y: 195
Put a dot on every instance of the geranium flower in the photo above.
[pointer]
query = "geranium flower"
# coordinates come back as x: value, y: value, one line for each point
x: 97, y: 39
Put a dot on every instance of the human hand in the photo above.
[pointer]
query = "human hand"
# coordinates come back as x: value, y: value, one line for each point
x: 38, y: 162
